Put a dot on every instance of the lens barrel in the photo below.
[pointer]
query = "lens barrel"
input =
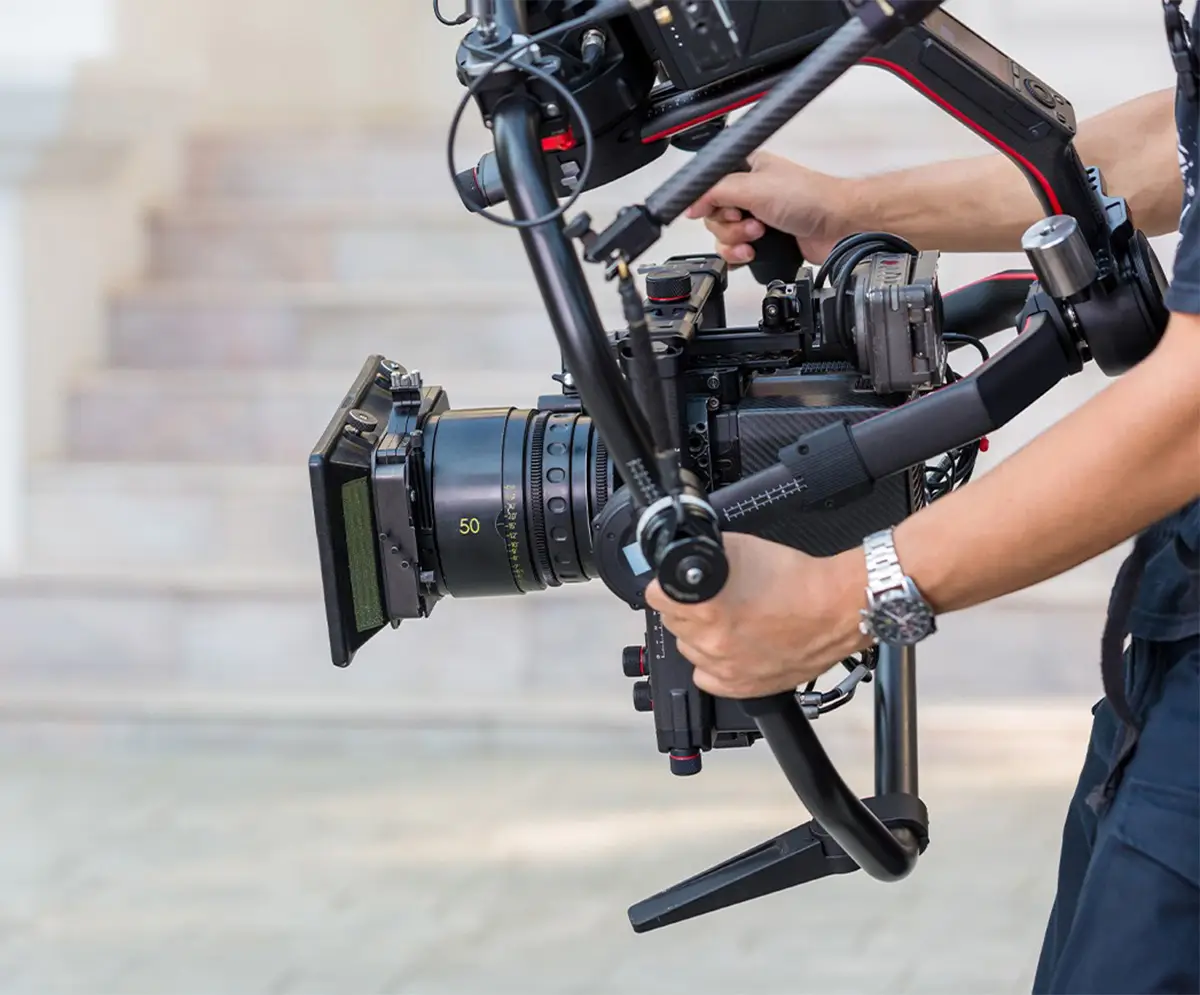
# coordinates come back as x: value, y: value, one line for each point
x: 513, y: 493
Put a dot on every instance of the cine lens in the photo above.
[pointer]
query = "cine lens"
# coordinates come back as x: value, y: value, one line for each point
x: 513, y: 493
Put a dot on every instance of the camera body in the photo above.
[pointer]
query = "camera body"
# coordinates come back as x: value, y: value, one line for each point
x: 415, y: 501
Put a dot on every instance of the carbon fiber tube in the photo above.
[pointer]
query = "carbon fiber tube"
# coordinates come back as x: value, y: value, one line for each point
x: 726, y: 153
x: 896, y: 721
x: 841, y: 813
x: 569, y: 303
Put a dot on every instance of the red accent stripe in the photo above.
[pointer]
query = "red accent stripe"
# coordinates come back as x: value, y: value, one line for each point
x: 994, y: 278
x: 690, y: 756
x: 911, y: 80
x: 1008, y: 150
x: 676, y: 129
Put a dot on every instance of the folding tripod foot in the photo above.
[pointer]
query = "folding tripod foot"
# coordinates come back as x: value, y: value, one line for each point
x: 801, y: 855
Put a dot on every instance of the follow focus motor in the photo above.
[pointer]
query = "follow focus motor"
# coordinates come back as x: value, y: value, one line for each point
x: 834, y: 414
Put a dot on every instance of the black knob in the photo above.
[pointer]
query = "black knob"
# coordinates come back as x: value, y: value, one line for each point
x: 643, y: 700
x: 668, y: 283
x: 361, y: 420
x: 633, y: 661
x: 685, y: 763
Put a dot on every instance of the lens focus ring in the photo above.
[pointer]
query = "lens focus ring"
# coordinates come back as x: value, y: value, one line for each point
x: 556, y: 493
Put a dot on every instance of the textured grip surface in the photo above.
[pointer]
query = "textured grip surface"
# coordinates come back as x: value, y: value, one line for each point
x: 828, y: 465
x: 777, y: 256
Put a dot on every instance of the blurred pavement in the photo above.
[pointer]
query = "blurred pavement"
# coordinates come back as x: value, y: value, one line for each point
x: 345, y: 862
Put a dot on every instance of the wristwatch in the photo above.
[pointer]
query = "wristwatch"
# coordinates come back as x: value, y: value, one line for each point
x: 896, y: 613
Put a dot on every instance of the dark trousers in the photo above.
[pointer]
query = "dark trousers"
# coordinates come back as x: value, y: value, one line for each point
x: 1126, y: 919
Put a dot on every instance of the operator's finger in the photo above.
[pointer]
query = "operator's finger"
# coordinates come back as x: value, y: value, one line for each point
x: 736, y: 190
x: 719, y: 688
x: 679, y: 619
x: 738, y: 232
x: 736, y: 255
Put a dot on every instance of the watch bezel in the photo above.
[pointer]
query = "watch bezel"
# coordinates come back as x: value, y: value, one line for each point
x: 884, y: 627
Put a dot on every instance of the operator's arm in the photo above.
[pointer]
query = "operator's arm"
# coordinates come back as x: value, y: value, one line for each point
x: 985, y: 204
x: 982, y: 204
x: 1124, y: 460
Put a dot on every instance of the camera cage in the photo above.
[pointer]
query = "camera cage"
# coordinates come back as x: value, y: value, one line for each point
x: 1098, y: 297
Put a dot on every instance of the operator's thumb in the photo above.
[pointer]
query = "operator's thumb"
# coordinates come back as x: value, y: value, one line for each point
x: 736, y: 190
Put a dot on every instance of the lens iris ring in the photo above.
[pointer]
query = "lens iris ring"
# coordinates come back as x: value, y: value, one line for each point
x: 556, y: 493
x: 594, y: 501
x: 583, y: 442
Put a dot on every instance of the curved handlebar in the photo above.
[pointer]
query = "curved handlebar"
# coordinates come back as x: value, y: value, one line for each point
x: 882, y: 853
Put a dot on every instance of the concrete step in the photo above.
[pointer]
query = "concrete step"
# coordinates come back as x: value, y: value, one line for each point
x: 350, y: 243
x: 238, y: 417
x: 263, y: 630
x: 164, y: 516
x: 360, y: 244
x: 249, y: 520
x: 435, y: 325
x: 262, y: 634
x: 432, y: 326
x: 430, y: 323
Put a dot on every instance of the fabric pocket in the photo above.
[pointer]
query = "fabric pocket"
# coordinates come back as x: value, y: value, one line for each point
x: 1163, y: 823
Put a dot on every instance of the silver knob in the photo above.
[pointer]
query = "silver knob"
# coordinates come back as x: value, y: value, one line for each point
x: 1060, y: 256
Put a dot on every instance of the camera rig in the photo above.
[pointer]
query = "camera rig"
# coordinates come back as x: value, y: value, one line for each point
x: 850, y: 381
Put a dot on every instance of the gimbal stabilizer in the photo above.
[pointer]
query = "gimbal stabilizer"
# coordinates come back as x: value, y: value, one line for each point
x: 1099, y: 296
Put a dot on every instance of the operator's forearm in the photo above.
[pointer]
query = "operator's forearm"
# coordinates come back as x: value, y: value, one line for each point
x: 1123, y: 461
x: 985, y: 204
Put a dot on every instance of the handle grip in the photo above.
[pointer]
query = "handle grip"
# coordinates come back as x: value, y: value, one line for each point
x: 777, y: 256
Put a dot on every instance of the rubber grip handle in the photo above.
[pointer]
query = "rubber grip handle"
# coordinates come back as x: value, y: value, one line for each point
x: 777, y: 256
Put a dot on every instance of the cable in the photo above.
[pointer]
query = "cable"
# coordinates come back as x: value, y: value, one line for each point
x: 839, y: 267
x: 957, y: 337
x: 461, y: 19
x: 601, y: 12
x: 894, y: 242
x: 956, y: 467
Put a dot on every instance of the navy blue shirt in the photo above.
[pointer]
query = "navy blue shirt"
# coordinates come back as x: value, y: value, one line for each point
x: 1167, y: 607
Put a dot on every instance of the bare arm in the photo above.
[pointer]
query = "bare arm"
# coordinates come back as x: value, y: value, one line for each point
x: 982, y: 204
x: 985, y: 204
x: 1056, y: 501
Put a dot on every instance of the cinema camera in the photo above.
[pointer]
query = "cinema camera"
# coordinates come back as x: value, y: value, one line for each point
x: 834, y: 414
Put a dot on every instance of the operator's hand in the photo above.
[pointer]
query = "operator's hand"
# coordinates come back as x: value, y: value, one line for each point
x: 783, y: 619
x: 813, y: 207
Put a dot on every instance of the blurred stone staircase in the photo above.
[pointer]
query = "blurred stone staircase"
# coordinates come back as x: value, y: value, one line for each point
x: 172, y: 546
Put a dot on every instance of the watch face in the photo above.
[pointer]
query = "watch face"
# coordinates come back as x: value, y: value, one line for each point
x: 901, y: 621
